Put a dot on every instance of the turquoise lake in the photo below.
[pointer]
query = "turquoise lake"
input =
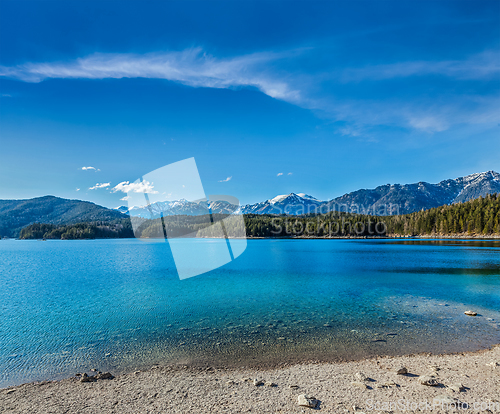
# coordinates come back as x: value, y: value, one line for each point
x: 118, y: 305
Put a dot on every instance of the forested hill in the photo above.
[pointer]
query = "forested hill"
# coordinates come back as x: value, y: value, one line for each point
x: 479, y: 217
x: 115, y: 229
x: 16, y: 214
x: 472, y: 218
x: 475, y: 218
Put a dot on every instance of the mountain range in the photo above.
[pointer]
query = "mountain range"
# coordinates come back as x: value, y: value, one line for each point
x: 383, y: 200
x: 180, y: 207
x: 16, y: 214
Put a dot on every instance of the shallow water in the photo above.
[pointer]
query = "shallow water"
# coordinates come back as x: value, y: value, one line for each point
x: 118, y: 305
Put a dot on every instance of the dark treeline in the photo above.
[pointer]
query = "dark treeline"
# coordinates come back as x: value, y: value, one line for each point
x: 333, y: 224
x: 175, y: 226
x: 96, y: 230
x: 253, y: 225
x: 476, y: 217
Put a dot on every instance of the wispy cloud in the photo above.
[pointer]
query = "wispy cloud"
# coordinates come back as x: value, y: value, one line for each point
x: 90, y: 168
x: 279, y: 174
x: 480, y: 66
x: 226, y: 180
x: 140, y: 187
x: 100, y: 185
x: 431, y: 110
x: 191, y: 67
x: 289, y: 173
x: 125, y: 198
x: 77, y: 189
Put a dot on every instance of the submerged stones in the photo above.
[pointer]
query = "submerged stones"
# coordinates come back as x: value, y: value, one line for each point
x: 470, y: 313
x: 306, y: 401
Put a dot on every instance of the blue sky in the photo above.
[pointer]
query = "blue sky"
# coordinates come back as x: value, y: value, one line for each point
x: 269, y: 97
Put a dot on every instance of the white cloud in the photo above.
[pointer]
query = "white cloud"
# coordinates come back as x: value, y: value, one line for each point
x: 90, y: 168
x: 100, y: 185
x: 479, y: 66
x: 428, y: 123
x: 125, y: 198
x: 227, y: 179
x: 191, y: 67
x: 77, y: 189
x: 269, y: 73
x: 140, y: 187
x: 289, y: 173
x: 279, y: 174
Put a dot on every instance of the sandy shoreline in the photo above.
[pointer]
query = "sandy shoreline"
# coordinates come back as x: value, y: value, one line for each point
x: 370, y: 385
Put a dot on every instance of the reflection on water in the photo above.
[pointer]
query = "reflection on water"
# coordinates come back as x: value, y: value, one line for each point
x: 68, y: 306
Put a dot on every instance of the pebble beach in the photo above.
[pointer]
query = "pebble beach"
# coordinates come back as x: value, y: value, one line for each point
x: 462, y: 382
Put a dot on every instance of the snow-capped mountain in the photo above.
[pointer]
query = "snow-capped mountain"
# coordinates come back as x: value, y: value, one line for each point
x: 476, y: 185
x: 180, y: 207
x: 408, y: 198
x: 383, y: 200
x: 291, y: 204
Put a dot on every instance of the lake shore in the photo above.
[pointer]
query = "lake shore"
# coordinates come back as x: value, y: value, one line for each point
x: 388, y: 237
x: 370, y: 385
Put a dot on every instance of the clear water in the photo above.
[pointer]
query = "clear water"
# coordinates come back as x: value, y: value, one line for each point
x: 118, y: 305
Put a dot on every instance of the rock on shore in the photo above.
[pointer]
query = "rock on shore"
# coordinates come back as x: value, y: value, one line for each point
x: 327, y: 387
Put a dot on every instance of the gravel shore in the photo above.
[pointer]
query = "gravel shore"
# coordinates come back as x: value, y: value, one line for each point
x: 468, y: 382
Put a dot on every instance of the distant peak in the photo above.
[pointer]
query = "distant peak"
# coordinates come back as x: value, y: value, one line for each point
x: 307, y: 196
x: 486, y: 174
x: 278, y: 198
x: 282, y: 197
